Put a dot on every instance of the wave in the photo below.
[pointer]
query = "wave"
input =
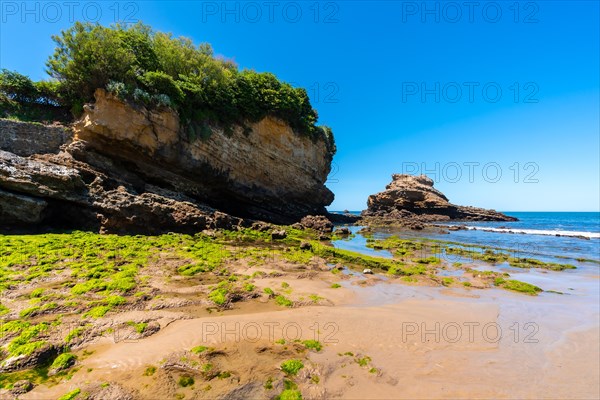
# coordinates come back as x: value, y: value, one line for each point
x: 583, y: 235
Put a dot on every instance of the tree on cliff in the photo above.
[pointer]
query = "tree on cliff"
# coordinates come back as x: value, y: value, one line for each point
x: 23, y: 99
x: 157, y: 69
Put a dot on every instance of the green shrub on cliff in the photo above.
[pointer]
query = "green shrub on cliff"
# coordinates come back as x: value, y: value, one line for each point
x: 157, y: 69
x: 17, y: 87
x: 23, y: 99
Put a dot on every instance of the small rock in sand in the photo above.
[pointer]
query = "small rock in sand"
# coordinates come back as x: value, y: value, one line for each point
x: 280, y: 234
x: 21, y: 387
x: 343, y: 231
x: 305, y: 246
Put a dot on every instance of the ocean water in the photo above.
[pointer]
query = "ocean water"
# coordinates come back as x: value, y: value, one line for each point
x: 578, y: 244
x: 546, y: 235
x: 563, y: 234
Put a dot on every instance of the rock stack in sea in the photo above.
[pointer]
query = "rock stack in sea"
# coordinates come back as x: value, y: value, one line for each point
x: 412, y: 200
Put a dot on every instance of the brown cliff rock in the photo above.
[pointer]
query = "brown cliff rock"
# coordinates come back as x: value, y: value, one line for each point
x: 413, y: 198
x: 267, y: 172
x: 129, y: 169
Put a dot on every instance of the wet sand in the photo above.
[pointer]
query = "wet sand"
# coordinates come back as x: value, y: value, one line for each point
x: 423, y: 342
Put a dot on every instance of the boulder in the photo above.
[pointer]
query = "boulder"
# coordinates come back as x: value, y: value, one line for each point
x: 279, y: 234
x: 343, y: 231
x: 319, y: 223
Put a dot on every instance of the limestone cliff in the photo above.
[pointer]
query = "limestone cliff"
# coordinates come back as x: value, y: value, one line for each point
x: 131, y: 169
x: 409, y: 196
x: 268, y: 171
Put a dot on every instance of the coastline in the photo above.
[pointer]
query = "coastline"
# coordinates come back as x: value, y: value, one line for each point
x: 417, y: 336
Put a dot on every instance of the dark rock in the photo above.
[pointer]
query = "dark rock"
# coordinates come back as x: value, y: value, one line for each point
x: 224, y: 221
x: 37, y: 357
x: 319, y: 223
x: 21, y: 387
x: 305, y: 246
x: 261, y: 226
x: 416, y: 226
x: 59, y: 191
x: 17, y: 208
x: 337, y: 218
x: 279, y: 234
x: 343, y: 231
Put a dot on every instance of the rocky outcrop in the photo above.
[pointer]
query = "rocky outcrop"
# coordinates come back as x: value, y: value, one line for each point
x: 40, y: 355
x: 264, y: 171
x: 59, y: 191
x: 131, y: 169
x: 410, y: 198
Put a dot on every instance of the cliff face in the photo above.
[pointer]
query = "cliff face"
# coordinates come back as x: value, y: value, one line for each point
x: 127, y: 169
x: 409, y: 196
x: 269, y: 172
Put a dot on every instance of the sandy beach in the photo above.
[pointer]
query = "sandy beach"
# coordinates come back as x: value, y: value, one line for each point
x: 421, y: 342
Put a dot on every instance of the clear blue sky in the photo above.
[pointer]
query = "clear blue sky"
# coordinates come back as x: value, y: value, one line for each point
x: 369, y: 61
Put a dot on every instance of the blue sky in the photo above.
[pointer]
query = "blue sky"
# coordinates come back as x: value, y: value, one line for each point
x: 498, y: 103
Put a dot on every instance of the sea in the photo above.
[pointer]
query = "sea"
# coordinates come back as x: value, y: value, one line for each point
x: 560, y: 237
x: 573, y: 235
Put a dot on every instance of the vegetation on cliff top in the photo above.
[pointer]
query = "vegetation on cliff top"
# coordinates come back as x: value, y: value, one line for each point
x: 156, y: 69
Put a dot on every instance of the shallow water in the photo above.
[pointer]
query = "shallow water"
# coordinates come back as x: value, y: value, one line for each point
x: 577, y: 307
x: 358, y: 243
x: 537, y: 234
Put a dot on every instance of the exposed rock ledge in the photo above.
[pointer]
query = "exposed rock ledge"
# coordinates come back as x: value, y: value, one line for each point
x: 130, y: 169
x: 413, y: 198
